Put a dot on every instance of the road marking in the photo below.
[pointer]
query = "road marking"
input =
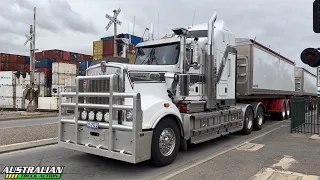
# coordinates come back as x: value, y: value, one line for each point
x: 285, y: 162
x: 189, y: 165
x: 315, y: 137
x: 25, y: 145
x: 273, y: 174
x: 28, y: 125
x: 250, y: 147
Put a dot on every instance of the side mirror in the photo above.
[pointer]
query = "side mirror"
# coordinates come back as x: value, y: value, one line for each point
x: 195, y: 56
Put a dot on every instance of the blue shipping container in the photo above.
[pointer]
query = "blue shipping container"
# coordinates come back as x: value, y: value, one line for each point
x: 27, y: 60
x: 44, y: 63
x: 134, y: 39
x: 82, y: 72
x: 48, y: 82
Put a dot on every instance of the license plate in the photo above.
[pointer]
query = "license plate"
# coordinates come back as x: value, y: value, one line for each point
x: 93, y: 125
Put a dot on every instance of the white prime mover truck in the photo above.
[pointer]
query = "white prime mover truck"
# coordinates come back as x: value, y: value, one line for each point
x: 195, y: 86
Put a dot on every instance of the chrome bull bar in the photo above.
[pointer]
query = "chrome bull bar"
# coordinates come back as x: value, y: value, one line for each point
x: 136, y: 127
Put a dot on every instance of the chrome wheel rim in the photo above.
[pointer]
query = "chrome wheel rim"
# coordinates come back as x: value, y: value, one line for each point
x: 260, y: 119
x: 288, y: 111
x: 249, y: 122
x: 283, y: 112
x: 167, y: 141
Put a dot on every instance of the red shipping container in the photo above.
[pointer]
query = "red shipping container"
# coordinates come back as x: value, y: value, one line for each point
x: 13, y: 58
x: 47, y: 71
x: 107, y: 55
x: 108, y: 47
x: 4, y: 57
x: 86, y: 57
x: 55, y: 53
x: 2, y: 66
x: 12, y: 66
x: 69, y: 62
x: 27, y: 67
x: 21, y: 59
x: 20, y: 67
x: 38, y: 55
x: 66, y: 55
x: 80, y: 56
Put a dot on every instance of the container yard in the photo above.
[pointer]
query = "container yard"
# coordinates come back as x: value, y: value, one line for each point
x: 55, y: 72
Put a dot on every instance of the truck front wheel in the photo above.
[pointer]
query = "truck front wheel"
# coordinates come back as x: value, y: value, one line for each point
x: 165, y: 142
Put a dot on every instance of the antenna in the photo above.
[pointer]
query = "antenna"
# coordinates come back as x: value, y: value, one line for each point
x: 158, y: 25
x: 194, y: 14
x: 134, y: 22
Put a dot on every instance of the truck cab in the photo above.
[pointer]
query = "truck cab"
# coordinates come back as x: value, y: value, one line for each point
x: 179, y: 91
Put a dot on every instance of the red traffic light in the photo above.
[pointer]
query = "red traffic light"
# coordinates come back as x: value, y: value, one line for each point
x: 311, y: 57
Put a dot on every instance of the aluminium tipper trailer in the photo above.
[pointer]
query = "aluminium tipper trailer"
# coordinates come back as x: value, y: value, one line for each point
x: 261, y: 71
x: 305, y: 82
x: 264, y: 77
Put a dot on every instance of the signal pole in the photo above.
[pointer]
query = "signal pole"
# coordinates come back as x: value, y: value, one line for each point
x: 30, y: 88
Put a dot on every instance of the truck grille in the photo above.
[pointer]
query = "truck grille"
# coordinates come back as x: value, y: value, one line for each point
x: 100, y: 86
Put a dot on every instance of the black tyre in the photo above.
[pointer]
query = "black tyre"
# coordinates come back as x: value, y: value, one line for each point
x: 248, y: 121
x: 282, y: 114
x: 288, y: 110
x: 165, y: 142
x: 259, y: 120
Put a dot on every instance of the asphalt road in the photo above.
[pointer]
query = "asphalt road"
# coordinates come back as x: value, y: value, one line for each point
x: 27, y: 122
x: 85, y: 166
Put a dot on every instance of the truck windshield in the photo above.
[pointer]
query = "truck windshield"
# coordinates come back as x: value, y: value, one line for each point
x: 164, y: 54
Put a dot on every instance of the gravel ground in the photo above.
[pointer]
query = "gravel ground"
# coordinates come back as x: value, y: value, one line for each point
x: 4, y: 115
x: 28, y: 133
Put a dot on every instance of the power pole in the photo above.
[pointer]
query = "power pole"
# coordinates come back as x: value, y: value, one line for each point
x: 30, y: 92
x: 114, y: 21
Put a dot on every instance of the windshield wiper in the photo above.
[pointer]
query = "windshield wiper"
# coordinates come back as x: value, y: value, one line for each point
x: 147, y: 60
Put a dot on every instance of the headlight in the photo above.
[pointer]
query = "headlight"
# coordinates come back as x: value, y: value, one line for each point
x: 106, y: 116
x: 99, y: 116
x: 84, y: 115
x: 91, y: 115
x: 129, y: 115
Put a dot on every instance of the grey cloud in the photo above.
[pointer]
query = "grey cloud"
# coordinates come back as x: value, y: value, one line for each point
x: 52, y: 15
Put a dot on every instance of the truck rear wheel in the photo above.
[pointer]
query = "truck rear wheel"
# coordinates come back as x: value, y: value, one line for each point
x: 248, y: 121
x: 282, y: 114
x: 165, y: 142
x: 259, y: 120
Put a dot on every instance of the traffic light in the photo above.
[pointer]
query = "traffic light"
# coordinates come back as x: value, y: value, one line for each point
x: 311, y: 57
x: 316, y: 16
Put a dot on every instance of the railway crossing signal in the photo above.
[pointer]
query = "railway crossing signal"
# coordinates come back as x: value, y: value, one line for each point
x: 311, y: 57
x: 316, y: 16
x: 113, y: 20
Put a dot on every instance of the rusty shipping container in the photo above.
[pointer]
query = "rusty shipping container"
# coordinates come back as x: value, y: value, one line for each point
x: 108, y: 47
x: 38, y: 55
x: 55, y: 53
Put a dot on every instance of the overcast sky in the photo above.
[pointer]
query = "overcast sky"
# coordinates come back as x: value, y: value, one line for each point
x: 72, y: 25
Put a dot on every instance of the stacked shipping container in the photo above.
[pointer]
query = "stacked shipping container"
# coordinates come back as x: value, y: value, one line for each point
x: 105, y: 47
x: 13, y: 62
x: 63, y: 78
x: 12, y: 85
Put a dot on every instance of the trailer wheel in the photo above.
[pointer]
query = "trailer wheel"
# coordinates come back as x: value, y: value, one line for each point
x: 288, y: 110
x: 165, y: 142
x: 282, y: 114
x: 259, y: 120
x: 248, y: 121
